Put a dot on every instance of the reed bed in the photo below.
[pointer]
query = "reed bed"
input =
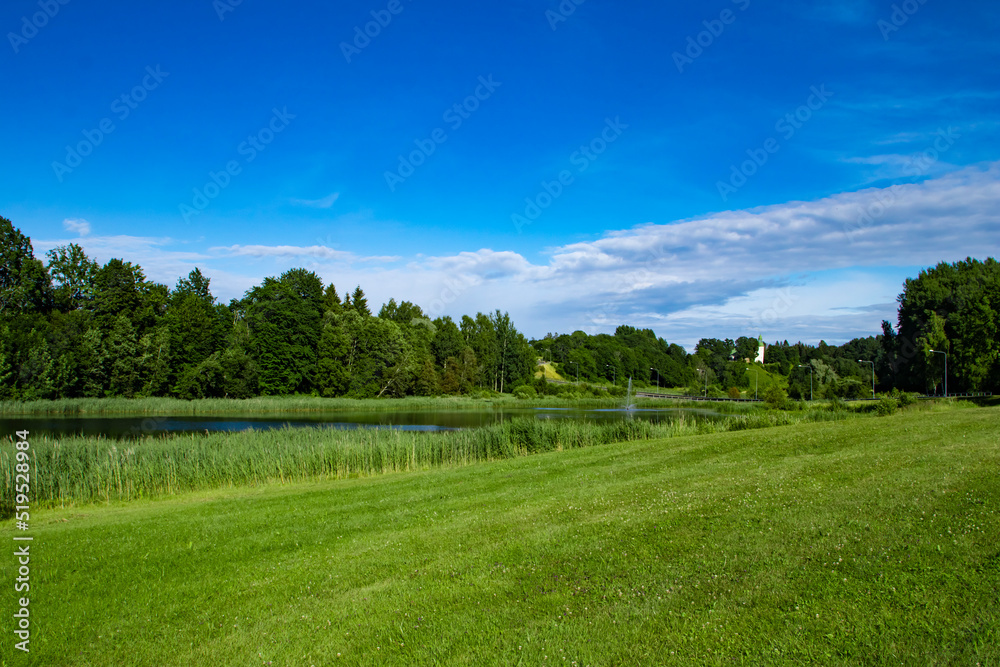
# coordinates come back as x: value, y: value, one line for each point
x: 79, y: 470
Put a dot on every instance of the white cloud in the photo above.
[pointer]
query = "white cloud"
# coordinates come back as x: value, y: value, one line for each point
x: 721, y: 273
x: 316, y: 252
x: 154, y: 254
x: 78, y: 226
x: 829, y: 268
x: 325, y: 202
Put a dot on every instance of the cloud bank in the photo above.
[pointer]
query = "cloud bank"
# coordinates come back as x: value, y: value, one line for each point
x: 810, y: 270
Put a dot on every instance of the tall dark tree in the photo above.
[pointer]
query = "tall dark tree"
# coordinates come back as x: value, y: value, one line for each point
x: 121, y: 288
x: 448, y: 341
x: 196, y: 329
x: 331, y: 300
x: 284, y: 317
x: 359, y: 303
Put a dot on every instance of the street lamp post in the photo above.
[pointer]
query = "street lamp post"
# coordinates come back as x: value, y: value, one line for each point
x: 810, y: 380
x: 657, y: 379
x: 705, y: 374
x: 862, y: 361
x: 577, y: 370
x: 945, y: 370
x: 614, y: 371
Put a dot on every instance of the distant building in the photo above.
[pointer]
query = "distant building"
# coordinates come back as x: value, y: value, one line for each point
x: 760, y: 350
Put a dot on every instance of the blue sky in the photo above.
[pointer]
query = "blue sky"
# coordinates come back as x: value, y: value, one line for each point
x: 704, y: 169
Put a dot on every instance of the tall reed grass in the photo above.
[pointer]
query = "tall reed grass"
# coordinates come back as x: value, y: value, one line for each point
x: 74, y: 470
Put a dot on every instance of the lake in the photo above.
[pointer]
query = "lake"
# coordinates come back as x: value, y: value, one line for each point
x: 430, y: 421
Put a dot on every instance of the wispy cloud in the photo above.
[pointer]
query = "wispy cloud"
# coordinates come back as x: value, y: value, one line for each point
x: 798, y: 270
x: 325, y: 202
x: 316, y: 252
x: 723, y: 271
x: 77, y: 226
x: 155, y: 255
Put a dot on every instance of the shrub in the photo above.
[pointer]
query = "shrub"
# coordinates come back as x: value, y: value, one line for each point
x: 886, y: 406
x: 525, y: 392
x: 734, y: 392
x: 775, y: 397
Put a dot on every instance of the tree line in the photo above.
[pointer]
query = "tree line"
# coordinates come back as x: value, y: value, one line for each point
x: 950, y: 310
x: 70, y: 327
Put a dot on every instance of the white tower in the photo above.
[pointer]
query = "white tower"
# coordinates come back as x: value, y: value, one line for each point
x: 760, y: 350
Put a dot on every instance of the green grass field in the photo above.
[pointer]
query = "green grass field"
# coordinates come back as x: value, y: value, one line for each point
x: 864, y: 541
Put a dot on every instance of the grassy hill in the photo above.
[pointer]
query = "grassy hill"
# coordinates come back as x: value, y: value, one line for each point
x: 868, y: 541
x: 548, y: 371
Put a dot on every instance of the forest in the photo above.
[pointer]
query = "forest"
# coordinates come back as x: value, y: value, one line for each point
x: 70, y: 327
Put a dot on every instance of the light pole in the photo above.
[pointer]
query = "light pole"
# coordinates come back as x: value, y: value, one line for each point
x: 945, y: 370
x: 810, y: 380
x: 614, y: 376
x: 755, y: 384
x: 705, y: 374
x: 577, y: 370
x: 862, y: 361
x: 657, y: 379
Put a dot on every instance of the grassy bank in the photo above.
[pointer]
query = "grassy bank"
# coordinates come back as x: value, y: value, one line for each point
x: 79, y: 470
x: 869, y: 541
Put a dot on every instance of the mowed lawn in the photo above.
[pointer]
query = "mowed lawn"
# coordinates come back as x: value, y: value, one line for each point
x: 866, y: 541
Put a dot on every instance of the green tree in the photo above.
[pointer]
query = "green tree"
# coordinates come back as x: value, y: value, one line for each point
x: 331, y: 301
x: 154, y: 362
x: 73, y: 274
x: 481, y: 337
x: 122, y: 349
x: 121, y: 288
x: 448, y: 341
x: 240, y: 376
x: 954, y: 308
x: 359, y: 303
x: 25, y: 285
x: 284, y: 318
x: 332, y: 378
x: 196, y: 327
x: 427, y: 383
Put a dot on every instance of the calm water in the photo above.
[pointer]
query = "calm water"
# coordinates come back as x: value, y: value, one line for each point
x: 123, y: 427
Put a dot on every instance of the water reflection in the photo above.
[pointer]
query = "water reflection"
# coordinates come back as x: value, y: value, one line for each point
x: 426, y: 421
